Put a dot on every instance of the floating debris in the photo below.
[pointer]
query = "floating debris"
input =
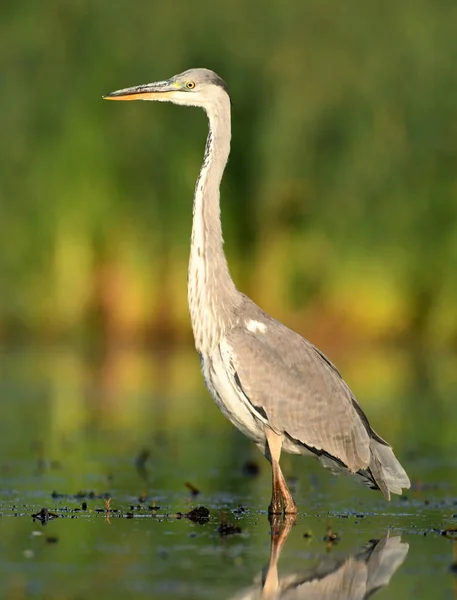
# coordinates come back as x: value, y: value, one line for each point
x: 84, y: 506
x: 198, y: 515
x: 239, y: 511
x: 331, y: 537
x: 44, y: 516
x: 450, y: 533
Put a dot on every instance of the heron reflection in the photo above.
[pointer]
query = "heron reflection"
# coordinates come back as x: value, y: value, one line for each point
x: 354, y: 576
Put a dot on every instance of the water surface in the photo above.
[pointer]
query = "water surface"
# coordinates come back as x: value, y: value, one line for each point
x: 138, y: 434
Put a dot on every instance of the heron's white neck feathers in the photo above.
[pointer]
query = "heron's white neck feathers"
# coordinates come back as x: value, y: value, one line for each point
x: 211, y: 292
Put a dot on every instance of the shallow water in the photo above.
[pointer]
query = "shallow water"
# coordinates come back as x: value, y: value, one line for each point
x: 79, y: 430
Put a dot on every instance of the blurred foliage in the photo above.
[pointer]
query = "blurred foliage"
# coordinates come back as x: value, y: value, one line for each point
x: 339, y: 203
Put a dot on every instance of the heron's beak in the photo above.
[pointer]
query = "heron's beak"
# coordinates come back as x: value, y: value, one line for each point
x: 160, y: 90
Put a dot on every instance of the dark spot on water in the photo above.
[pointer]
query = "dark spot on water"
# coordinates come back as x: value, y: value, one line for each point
x: 52, y: 539
x: 84, y: 505
x: 225, y: 529
x: 239, y: 511
x: 331, y: 537
x: 307, y: 535
x: 198, y: 515
x: 44, y: 516
x: 450, y: 533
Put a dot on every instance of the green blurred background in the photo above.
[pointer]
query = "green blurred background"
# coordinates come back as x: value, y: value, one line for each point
x: 339, y: 203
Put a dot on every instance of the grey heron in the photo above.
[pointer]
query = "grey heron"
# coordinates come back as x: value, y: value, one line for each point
x: 270, y: 382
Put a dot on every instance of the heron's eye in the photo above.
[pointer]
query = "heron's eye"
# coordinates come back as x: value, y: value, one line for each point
x: 190, y: 85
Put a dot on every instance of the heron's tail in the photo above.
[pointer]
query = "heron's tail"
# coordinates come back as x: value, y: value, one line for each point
x: 385, y: 469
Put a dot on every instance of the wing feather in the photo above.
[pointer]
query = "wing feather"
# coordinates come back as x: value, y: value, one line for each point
x: 299, y: 389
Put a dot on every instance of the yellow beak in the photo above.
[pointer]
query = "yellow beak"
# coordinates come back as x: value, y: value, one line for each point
x: 150, y: 91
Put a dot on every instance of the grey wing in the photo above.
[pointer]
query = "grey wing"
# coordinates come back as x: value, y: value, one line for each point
x: 298, y: 389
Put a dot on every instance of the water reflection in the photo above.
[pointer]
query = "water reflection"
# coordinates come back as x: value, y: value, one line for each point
x: 355, y: 576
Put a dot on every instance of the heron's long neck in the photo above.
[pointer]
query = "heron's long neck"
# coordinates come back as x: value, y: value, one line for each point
x: 211, y: 292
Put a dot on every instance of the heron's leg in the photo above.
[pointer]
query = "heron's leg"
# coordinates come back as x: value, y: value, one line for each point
x: 276, y: 507
x: 281, y: 498
x: 288, y: 502
x: 280, y: 529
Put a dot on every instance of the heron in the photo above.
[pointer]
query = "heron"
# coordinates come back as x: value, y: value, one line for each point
x: 275, y: 386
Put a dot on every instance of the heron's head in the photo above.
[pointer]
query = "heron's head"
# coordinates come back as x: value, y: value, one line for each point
x: 195, y: 87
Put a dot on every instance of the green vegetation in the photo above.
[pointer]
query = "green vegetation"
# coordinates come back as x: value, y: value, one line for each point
x: 339, y: 203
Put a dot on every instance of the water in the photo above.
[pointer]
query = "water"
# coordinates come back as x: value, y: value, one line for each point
x: 141, y: 431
